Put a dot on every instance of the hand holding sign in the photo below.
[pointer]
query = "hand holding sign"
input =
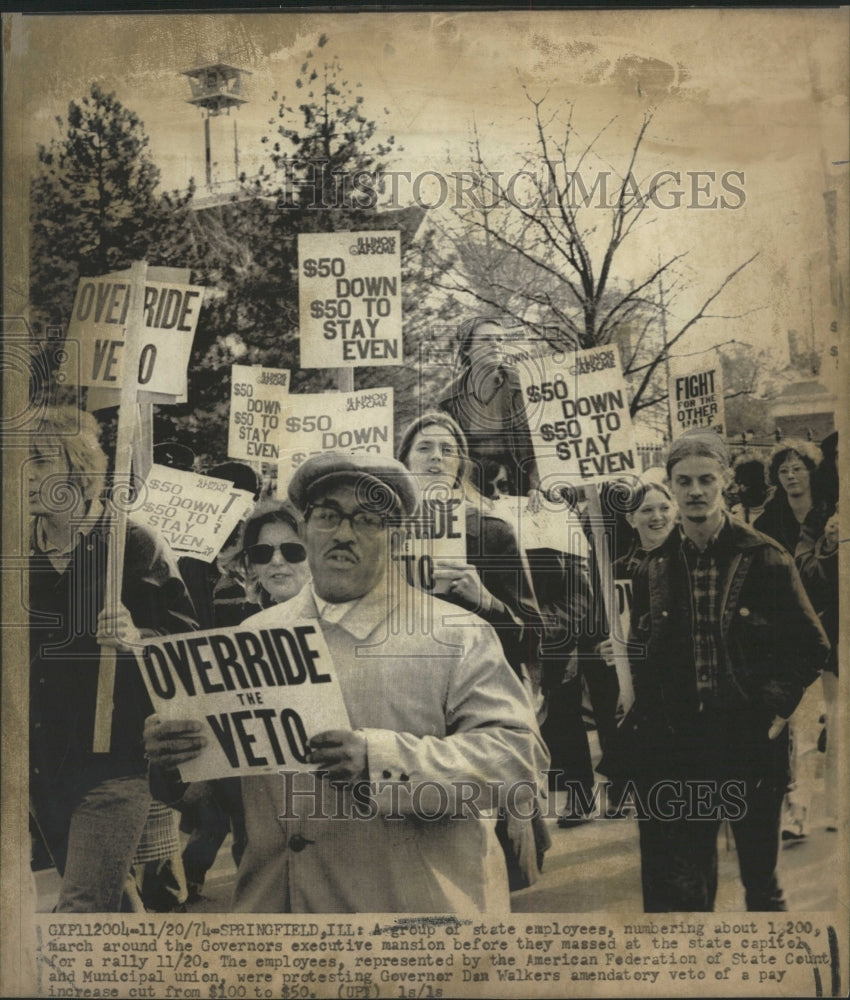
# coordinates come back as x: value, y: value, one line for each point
x: 535, y: 501
x: 116, y: 629
x: 173, y: 743
x: 605, y: 649
x: 340, y: 755
x: 463, y: 582
x: 255, y: 694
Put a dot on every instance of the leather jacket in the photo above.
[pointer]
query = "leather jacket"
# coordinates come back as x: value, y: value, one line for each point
x: 770, y: 639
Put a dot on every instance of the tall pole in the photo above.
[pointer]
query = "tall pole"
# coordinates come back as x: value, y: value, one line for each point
x: 207, y: 150
x: 127, y: 417
x: 664, y: 342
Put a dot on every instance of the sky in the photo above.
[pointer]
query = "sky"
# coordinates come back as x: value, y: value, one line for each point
x: 761, y: 93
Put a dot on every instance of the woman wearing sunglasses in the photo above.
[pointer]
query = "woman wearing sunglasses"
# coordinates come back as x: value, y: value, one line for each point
x: 273, y: 556
x: 274, y: 564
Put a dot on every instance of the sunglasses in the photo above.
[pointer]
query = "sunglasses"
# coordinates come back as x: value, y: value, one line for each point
x: 261, y: 554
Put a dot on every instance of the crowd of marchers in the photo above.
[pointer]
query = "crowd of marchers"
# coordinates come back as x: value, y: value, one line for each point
x: 495, y: 684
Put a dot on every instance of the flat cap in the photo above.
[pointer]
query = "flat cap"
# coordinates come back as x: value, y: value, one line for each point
x: 380, y: 482
x: 174, y: 455
x: 240, y: 474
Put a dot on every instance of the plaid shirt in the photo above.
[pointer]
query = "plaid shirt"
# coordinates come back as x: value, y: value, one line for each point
x: 705, y: 571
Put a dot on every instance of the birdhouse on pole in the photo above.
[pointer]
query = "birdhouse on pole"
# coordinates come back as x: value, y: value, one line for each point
x: 216, y: 88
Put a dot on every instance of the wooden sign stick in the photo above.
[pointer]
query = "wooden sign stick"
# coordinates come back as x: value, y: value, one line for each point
x: 606, y: 579
x: 127, y: 418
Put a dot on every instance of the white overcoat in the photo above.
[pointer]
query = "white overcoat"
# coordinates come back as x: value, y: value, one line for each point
x: 450, y: 734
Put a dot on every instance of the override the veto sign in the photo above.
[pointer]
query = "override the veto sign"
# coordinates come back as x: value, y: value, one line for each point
x: 260, y: 693
x: 99, y: 318
x: 436, y: 533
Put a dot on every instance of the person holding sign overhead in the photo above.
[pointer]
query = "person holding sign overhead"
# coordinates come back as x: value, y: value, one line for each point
x: 88, y: 807
x: 487, y: 402
x: 393, y: 817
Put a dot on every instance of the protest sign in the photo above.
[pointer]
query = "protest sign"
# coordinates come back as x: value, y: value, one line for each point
x: 437, y: 534
x: 579, y: 418
x: 193, y: 513
x: 582, y: 434
x: 620, y: 619
x: 334, y: 421
x: 623, y: 589
x: 98, y: 323
x: 255, y: 410
x: 255, y: 691
x: 548, y: 527
x: 349, y: 296
x: 696, y: 395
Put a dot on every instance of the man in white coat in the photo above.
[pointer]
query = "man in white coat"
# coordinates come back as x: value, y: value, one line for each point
x: 399, y: 815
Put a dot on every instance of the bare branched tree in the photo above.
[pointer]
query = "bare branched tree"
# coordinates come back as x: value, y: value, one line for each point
x: 541, y: 248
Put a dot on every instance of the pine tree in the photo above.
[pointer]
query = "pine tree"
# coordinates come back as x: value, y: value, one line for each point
x: 326, y: 164
x: 96, y: 207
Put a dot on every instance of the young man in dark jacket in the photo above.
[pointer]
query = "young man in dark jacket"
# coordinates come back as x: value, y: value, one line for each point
x: 725, y: 642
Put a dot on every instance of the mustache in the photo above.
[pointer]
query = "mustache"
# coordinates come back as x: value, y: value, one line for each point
x: 341, y: 547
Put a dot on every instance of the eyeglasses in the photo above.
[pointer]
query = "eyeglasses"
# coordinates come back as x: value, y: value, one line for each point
x: 327, y: 518
x: 261, y: 554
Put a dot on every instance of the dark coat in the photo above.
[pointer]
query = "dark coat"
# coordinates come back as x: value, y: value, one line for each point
x: 779, y: 523
x: 491, y: 547
x: 769, y: 633
x: 819, y: 573
x: 770, y: 639
x: 510, y: 444
x: 65, y: 660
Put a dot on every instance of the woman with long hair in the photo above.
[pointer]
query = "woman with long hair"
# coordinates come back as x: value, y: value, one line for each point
x: 794, y: 510
x: 796, y: 517
x: 485, y: 399
x: 491, y: 582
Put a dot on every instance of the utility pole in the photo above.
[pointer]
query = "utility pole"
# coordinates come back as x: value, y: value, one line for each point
x: 664, y: 342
